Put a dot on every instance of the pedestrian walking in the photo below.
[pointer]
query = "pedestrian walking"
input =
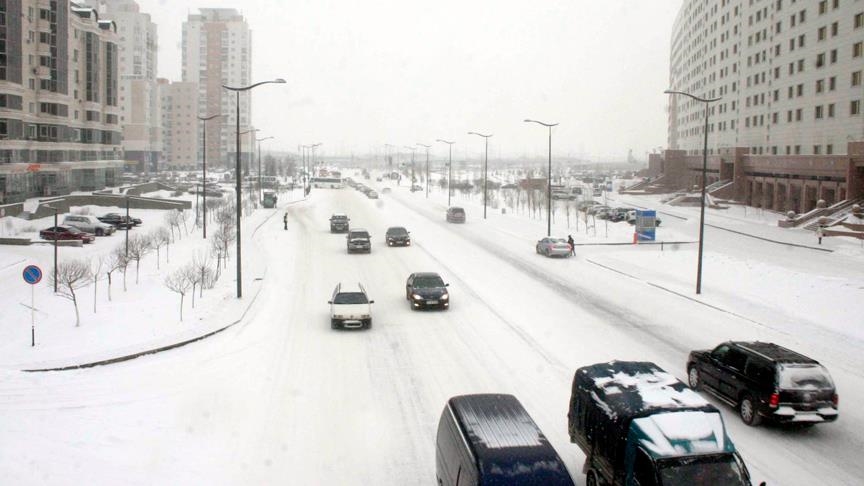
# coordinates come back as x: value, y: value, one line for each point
x: 820, y: 232
x: 285, y: 221
x: 572, y: 244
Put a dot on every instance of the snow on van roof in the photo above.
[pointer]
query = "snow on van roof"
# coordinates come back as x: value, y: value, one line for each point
x: 497, y: 421
x: 685, y: 432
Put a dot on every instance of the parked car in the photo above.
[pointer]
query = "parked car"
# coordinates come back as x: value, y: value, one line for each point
x: 596, y: 209
x: 427, y: 290
x: 455, y: 215
x: 120, y: 220
x: 88, y: 224
x: 359, y: 240
x: 397, y: 236
x: 550, y: 247
x: 631, y: 218
x: 386, y: 190
x: 489, y: 439
x: 339, y: 223
x: 65, y: 233
x: 416, y: 187
x: 638, y: 425
x: 372, y: 194
x: 765, y: 381
x: 350, y: 307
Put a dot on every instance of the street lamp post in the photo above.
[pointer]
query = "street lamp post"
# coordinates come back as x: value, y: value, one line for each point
x: 707, y: 102
x: 449, y: 167
x: 427, y: 167
x: 238, y: 187
x: 548, y: 178
x: 204, y: 120
x: 413, y: 150
x: 485, y: 167
x: 54, y: 208
x: 260, y: 190
x: 313, y: 147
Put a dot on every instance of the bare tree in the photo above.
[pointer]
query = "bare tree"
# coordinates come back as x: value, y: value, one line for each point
x: 220, y: 244
x: 170, y: 220
x: 182, y: 217
x: 178, y: 282
x: 204, y: 275
x: 139, y: 247
x: 111, y: 264
x: 71, y: 275
x: 96, y: 266
x: 160, y: 237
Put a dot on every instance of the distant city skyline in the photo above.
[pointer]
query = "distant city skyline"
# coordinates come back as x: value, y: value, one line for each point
x: 362, y: 75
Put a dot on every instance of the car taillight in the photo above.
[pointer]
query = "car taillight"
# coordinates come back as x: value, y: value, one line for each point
x: 835, y: 399
x: 774, y: 401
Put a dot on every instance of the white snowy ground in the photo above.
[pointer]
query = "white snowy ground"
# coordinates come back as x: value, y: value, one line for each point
x: 282, y: 398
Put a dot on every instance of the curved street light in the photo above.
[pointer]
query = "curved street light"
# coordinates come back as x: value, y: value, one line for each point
x: 450, y: 168
x: 549, y: 176
x: 485, y: 167
x: 427, y: 166
x: 238, y: 188
x: 707, y: 101
x: 204, y: 120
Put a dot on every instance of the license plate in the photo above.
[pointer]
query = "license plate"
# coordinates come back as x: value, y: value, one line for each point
x: 431, y: 302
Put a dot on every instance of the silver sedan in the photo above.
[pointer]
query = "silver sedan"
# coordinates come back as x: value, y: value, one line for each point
x: 553, y: 247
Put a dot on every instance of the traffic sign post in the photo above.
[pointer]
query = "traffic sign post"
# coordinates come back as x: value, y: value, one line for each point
x: 32, y: 275
x: 646, y: 223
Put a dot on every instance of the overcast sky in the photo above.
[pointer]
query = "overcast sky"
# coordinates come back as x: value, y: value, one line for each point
x: 368, y: 72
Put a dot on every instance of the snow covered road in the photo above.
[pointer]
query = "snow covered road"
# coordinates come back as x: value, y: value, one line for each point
x: 283, y: 399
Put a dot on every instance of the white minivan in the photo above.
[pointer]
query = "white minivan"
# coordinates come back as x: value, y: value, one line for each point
x: 88, y: 224
x: 350, y: 307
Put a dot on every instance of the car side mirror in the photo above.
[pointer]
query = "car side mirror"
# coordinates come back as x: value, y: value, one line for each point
x: 371, y: 301
x: 329, y: 301
x: 447, y: 285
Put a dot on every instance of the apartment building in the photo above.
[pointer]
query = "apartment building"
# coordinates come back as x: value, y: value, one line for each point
x: 180, y: 132
x: 139, y: 98
x: 59, y: 99
x: 217, y: 50
x: 788, y: 74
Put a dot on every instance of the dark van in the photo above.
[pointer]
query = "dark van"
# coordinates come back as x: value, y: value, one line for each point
x: 489, y: 439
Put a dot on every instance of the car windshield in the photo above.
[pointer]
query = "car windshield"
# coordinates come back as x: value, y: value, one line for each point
x: 359, y: 234
x: 458, y: 211
x: 428, y: 282
x: 804, y: 377
x: 339, y: 217
x: 713, y: 470
x: 350, y: 298
x: 397, y: 232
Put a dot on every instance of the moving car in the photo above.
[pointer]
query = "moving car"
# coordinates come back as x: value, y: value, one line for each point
x: 416, y: 187
x: 350, y: 307
x: 88, y: 224
x: 489, y: 439
x: 270, y: 199
x: 427, y: 290
x: 359, y: 240
x: 339, y: 223
x: 397, y: 236
x: 638, y: 425
x: 119, y: 220
x: 554, y: 247
x: 386, y: 190
x: 455, y: 215
x: 765, y: 381
x: 372, y: 194
x: 65, y: 233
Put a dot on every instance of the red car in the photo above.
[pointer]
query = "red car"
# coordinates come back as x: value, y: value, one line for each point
x: 65, y: 233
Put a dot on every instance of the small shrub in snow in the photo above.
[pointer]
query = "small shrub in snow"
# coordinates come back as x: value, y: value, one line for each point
x: 71, y: 275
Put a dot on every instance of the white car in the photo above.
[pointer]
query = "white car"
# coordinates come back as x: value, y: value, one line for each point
x: 88, y: 224
x: 350, y: 307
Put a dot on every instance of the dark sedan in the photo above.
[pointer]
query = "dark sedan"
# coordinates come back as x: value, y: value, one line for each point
x: 120, y: 220
x: 397, y: 236
x: 65, y: 233
x: 427, y: 290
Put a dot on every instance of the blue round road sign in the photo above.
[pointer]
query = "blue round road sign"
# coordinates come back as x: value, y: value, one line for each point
x: 32, y: 274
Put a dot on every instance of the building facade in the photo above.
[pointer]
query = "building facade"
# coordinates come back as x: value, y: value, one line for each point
x: 59, y: 99
x: 139, y: 98
x: 217, y: 50
x: 180, y: 124
x: 788, y: 127
x: 789, y: 75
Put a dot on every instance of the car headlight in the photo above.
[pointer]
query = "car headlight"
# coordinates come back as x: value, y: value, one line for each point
x: 445, y: 297
x: 416, y: 297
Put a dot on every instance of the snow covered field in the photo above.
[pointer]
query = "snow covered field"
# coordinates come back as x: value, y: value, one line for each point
x: 281, y: 398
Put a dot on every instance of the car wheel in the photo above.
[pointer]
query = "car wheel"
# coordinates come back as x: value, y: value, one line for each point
x: 747, y: 410
x: 369, y: 324
x: 591, y: 479
x: 334, y: 324
x: 100, y: 232
x: 693, y: 378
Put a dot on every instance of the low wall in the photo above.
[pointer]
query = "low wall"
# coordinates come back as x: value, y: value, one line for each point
x: 11, y: 209
x: 63, y: 203
x: 15, y: 241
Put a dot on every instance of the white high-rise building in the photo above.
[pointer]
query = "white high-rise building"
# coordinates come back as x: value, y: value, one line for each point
x: 139, y: 100
x: 217, y: 50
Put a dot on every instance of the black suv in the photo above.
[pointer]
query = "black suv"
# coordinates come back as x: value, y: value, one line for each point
x: 397, y: 236
x: 427, y: 290
x: 339, y: 223
x: 359, y: 240
x: 119, y: 221
x: 764, y: 380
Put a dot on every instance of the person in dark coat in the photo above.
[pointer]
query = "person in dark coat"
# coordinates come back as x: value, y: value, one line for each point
x: 285, y: 221
x: 572, y: 244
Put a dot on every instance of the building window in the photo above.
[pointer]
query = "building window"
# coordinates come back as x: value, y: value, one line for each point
x: 856, y: 78
x: 800, y: 65
x: 800, y: 90
x: 817, y: 149
x: 832, y: 83
x: 820, y: 60
x: 833, y: 56
x: 857, y: 49
x: 831, y: 110
x: 823, y: 7
x: 797, y: 150
x: 799, y: 114
x: 835, y: 27
x: 859, y: 20
x: 818, y: 112
x: 820, y: 85
x: 829, y: 149
x: 855, y: 107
